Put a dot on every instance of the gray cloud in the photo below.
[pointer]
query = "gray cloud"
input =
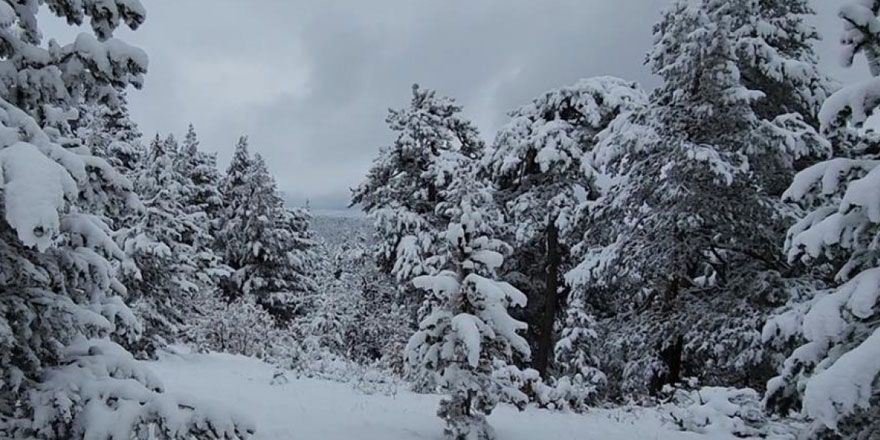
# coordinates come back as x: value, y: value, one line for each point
x: 310, y: 82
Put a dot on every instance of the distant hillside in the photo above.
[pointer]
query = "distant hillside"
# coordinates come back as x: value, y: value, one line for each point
x: 341, y: 226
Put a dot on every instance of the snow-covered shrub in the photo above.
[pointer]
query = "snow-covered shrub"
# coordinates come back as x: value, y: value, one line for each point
x: 355, y: 320
x: 101, y: 392
x: 372, y: 380
x: 563, y: 393
x: 711, y: 410
x: 238, y: 327
x: 307, y: 357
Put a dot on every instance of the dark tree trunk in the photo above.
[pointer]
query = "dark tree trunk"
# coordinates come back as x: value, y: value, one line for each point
x: 671, y: 357
x: 670, y: 351
x: 545, y: 345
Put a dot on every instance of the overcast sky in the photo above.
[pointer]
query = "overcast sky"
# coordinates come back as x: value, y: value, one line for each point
x: 310, y: 81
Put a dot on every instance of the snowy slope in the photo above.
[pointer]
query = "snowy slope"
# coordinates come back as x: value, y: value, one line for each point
x: 310, y: 409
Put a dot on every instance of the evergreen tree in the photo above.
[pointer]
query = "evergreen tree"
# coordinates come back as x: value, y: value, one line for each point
x: 408, y: 178
x: 468, y: 330
x: 861, y: 35
x: 110, y: 133
x: 266, y: 245
x: 165, y: 273
x: 773, y: 42
x: 832, y: 374
x: 690, y: 223
x: 202, y: 203
x: 62, y: 375
x: 536, y: 166
x: 201, y: 168
x: 773, y: 48
x: 577, y: 356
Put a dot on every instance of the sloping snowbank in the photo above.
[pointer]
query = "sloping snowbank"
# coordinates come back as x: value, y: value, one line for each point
x: 311, y: 409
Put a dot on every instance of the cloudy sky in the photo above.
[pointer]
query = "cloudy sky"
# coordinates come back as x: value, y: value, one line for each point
x: 310, y: 81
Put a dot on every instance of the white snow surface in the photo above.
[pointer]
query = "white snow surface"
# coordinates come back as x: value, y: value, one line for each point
x: 312, y: 409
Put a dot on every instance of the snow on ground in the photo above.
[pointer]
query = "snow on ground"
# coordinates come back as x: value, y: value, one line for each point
x: 312, y: 409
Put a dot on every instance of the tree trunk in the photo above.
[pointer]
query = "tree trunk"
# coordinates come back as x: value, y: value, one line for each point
x: 671, y: 357
x: 545, y: 345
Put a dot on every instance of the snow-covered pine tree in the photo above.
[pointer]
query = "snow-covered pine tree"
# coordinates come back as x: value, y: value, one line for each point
x: 186, y: 161
x: 202, y: 203
x: 165, y: 272
x: 267, y: 246
x: 535, y: 164
x: 234, y: 190
x: 110, y: 133
x: 406, y: 181
x: 577, y: 356
x: 688, y: 224
x: 170, y: 146
x: 468, y: 329
x: 833, y: 373
x: 773, y: 45
x: 61, y: 373
x: 201, y: 168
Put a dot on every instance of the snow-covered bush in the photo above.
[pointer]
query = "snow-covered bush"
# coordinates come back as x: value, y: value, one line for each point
x: 238, y: 327
x: 101, y: 392
x: 527, y: 387
x: 355, y: 319
x: 717, y: 410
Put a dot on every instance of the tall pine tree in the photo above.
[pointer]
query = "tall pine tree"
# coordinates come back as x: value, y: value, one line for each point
x: 407, y: 180
x: 691, y: 220
x: 535, y: 164
x: 161, y: 244
x: 266, y: 245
